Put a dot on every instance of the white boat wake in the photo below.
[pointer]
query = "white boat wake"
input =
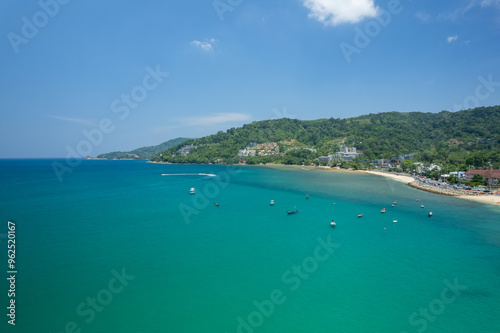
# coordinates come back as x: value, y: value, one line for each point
x: 189, y: 174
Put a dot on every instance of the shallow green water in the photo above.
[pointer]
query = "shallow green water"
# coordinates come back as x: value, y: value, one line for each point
x: 243, y: 266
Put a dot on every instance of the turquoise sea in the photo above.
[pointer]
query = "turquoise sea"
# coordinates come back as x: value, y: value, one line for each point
x: 117, y: 247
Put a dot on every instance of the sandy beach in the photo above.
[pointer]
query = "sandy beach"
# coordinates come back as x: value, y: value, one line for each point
x: 402, y: 178
x: 489, y: 199
x: 485, y: 198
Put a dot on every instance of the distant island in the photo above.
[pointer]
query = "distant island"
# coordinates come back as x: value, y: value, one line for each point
x: 413, y: 142
x: 144, y: 153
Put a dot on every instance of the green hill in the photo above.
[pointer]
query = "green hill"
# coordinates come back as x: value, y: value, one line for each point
x: 143, y: 153
x: 451, y: 138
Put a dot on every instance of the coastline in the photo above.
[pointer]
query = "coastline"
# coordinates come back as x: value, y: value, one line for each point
x: 406, y: 179
x: 401, y: 178
x: 410, y: 181
x: 485, y: 198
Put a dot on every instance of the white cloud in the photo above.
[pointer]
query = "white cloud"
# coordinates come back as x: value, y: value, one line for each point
x: 74, y: 120
x: 451, y: 39
x: 487, y: 3
x: 462, y: 10
x: 424, y: 17
x: 334, y: 12
x: 207, y: 45
x: 217, y: 118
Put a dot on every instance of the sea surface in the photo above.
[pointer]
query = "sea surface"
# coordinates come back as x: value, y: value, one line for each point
x: 121, y: 246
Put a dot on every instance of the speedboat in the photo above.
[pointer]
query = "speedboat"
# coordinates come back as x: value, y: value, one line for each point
x: 333, y: 224
x: 191, y: 191
x: 395, y: 221
x: 430, y: 214
x: 383, y: 210
x: 395, y: 202
x: 292, y: 212
x: 360, y: 215
x: 421, y: 206
x: 272, y: 203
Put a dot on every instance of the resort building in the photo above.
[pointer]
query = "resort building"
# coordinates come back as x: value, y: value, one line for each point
x: 185, y: 150
x: 406, y: 157
x: 458, y: 174
x: 491, y: 176
x: 328, y: 159
x: 268, y: 148
x: 246, y: 152
x: 347, y: 153
x: 310, y: 149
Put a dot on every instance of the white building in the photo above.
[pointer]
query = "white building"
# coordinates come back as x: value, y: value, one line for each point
x: 459, y: 174
x: 246, y: 152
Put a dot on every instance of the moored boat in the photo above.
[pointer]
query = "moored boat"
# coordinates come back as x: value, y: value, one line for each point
x: 191, y: 191
x: 292, y: 212
x: 360, y: 215
x: 272, y: 203
x: 383, y: 210
x: 430, y: 214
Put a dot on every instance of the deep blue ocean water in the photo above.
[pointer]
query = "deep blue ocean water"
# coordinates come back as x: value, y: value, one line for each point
x: 117, y: 247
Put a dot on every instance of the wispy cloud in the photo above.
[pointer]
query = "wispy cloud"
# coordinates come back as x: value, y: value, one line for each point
x: 207, y: 45
x: 334, y: 12
x: 424, y: 17
x: 451, y: 39
x: 460, y: 11
x: 74, y: 120
x: 216, y: 119
x: 487, y: 3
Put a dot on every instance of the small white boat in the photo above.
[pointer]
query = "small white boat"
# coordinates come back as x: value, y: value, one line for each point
x: 430, y: 214
x: 421, y: 206
x: 191, y: 191
x: 333, y: 224
x: 272, y: 203
x: 395, y: 221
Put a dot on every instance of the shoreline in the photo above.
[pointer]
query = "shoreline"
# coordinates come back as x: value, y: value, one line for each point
x: 406, y: 179
x: 410, y: 181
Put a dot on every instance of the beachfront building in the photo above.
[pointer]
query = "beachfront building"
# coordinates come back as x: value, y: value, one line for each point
x: 458, y: 174
x: 419, y: 166
x: 491, y: 176
x: 347, y: 153
x: 328, y: 159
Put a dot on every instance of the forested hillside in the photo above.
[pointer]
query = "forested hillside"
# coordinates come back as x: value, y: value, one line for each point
x: 144, y: 152
x: 455, y: 138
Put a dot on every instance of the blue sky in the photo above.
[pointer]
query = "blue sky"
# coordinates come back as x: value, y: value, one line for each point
x: 132, y: 74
